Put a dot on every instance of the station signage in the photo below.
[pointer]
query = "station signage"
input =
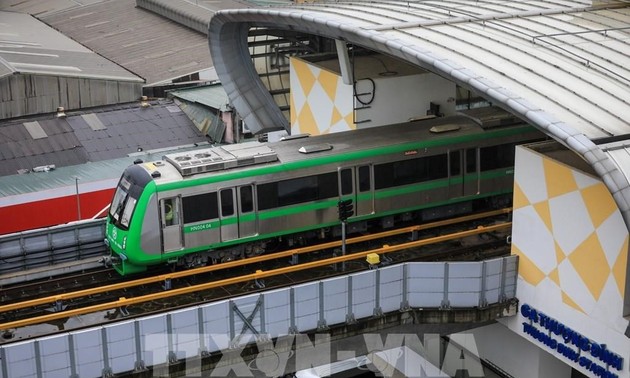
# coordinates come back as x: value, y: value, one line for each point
x: 572, y: 345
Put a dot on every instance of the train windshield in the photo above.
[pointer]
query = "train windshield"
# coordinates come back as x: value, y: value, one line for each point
x: 126, y: 197
x: 123, y: 204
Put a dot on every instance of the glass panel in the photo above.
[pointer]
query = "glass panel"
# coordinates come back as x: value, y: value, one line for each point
x: 227, y: 203
x: 346, y: 181
x: 247, y: 199
x: 364, y: 178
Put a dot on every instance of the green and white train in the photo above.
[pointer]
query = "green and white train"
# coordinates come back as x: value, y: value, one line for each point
x: 228, y: 202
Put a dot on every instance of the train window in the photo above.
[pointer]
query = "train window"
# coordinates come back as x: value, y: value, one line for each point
x: 267, y: 196
x: 346, y: 181
x: 495, y: 157
x: 471, y: 160
x: 227, y: 202
x: 129, y: 207
x: 200, y: 207
x: 327, y: 185
x: 303, y: 189
x: 298, y: 190
x: 247, y: 199
x: 364, y: 178
x: 436, y: 167
x: 410, y: 171
x: 456, y: 164
x: 171, y: 213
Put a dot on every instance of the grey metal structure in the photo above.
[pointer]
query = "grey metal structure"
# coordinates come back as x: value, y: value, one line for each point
x: 151, y: 46
x: 192, y: 333
x: 41, y: 70
x: 561, y: 66
x: 29, y: 250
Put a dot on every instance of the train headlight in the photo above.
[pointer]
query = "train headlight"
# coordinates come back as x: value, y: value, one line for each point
x: 124, y: 242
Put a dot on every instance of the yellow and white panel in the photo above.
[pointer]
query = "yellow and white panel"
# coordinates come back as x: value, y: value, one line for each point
x: 320, y: 102
x: 572, y: 245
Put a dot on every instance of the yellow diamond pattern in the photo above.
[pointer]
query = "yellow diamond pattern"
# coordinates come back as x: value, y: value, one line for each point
x: 336, y: 116
x: 542, y: 209
x: 304, y: 74
x: 555, y: 277
x: 559, y: 179
x: 329, y: 83
x: 567, y: 299
x: 599, y: 202
x: 293, y: 113
x: 520, y: 199
x: 560, y: 255
x: 588, y: 262
x: 314, y: 86
x: 307, y: 121
x: 527, y: 269
x: 619, y: 269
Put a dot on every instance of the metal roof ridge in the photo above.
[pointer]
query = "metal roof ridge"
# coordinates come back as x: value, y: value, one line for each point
x: 487, y: 17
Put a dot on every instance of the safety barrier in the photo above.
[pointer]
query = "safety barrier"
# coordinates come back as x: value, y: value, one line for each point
x: 49, y: 246
x: 136, y: 344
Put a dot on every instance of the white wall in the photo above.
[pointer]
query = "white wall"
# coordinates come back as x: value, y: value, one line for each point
x: 517, y: 356
x: 399, y: 98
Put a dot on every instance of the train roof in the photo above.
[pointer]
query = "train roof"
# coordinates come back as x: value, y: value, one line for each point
x: 204, y: 162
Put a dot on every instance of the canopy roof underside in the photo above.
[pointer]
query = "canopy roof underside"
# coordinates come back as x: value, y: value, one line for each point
x: 563, y: 66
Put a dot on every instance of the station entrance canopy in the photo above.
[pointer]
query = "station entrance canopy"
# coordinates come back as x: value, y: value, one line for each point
x: 563, y: 66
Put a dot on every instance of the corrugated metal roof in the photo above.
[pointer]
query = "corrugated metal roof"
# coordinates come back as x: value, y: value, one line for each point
x: 72, y: 140
x: 87, y: 173
x: 30, y: 46
x: 151, y: 46
x: 40, y: 8
x: 213, y: 96
x: 562, y: 65
x: 203, y: 105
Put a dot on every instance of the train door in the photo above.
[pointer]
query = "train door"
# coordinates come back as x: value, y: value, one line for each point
x: 357, y: 183
x: 247, y: 217
x: 471, y: 174
x: 227, y: 214
x: 365, y: 190
x: 463, y: 172
x: 171, y: 223
x: 455, y: 174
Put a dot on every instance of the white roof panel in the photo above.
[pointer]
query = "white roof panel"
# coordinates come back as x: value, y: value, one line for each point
x: 29, y: 46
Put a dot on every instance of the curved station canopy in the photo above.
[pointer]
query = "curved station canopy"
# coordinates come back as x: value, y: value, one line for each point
x: 562, y: 66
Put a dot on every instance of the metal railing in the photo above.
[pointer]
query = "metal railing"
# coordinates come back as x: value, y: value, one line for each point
x: 50, y: 246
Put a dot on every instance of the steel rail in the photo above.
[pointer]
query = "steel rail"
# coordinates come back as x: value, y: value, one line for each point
x: 241, y: 262
x: 259, y: 274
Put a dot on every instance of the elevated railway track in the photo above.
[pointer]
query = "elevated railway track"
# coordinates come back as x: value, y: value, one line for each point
x: 165, y: 291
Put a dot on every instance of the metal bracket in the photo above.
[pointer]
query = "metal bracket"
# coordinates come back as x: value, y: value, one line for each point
x: 140, y: 366
x: 59, y: 306
x: 378, y: 312
x: 260, y: 283
x: 294, y: 259
x: 172, y: 357
x: 247, y: 320
x: 321, y: 325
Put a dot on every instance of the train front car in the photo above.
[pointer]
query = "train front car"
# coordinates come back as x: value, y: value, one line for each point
x: 125, y: 217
